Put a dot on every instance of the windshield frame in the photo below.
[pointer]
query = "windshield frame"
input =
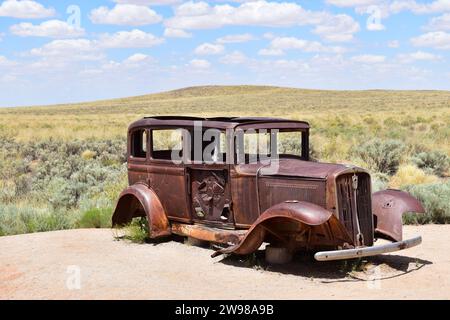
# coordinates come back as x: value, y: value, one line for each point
x: 270, y: 128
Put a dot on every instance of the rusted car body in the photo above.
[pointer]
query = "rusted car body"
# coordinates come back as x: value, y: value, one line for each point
x: 287, y: 201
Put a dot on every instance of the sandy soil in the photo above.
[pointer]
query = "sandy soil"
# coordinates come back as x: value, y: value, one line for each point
x: 45, y: 266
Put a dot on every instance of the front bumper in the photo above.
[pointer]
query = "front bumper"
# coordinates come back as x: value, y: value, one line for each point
x: 367, y: 251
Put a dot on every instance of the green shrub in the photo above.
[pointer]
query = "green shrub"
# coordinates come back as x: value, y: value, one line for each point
x: 7, y: 191
x: 61, y: 193
x: 379, y: 181
x: 96, y: 218
x: 436, y: 201
x: 391, y: 123
x: 435, y: 162
x: 60, y: 178
x: 57, y: 171
x: 17, y: 220
x: 137, y: 231
x: 381, y: 156
x: 53, y: 221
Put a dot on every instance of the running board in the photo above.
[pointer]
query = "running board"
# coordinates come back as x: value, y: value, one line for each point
x: 210, y: 234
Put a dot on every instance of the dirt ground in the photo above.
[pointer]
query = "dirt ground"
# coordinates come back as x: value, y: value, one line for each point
x: 91, y: 264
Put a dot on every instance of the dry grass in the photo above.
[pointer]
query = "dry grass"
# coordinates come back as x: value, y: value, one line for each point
x: 411, y: 175
x: 339, y: 119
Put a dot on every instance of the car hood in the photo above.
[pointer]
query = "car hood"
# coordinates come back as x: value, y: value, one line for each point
x: 295, y: 168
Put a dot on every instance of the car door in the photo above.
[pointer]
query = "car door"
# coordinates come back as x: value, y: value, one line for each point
x: 166, y: 176
x: 137, y: 156
x: 208, y: 180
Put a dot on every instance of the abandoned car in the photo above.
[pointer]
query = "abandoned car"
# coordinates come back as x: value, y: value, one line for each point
x: 239, y: 183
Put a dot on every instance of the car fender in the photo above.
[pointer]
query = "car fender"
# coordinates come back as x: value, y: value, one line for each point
x: 388, y: 206
x: 139, y: 200
x: 302, y: 212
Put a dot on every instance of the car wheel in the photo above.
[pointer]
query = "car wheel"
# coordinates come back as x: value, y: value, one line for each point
x: 277, y: 255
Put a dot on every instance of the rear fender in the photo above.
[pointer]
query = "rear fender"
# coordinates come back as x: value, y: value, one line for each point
x: 140, y: 200
x: 299, y: 212
x: 389, y: 206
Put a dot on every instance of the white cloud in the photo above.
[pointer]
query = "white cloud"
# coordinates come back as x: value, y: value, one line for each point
x: 420, y: 8
x: 375, y: 25
x: 148, y: 2
x: 418, y: 56
x: 280, y: 44
x: 176, y: 33
x: 269, y: 35
x: 278, y: 68
x: 201, y: 15
x: 270, y: 52
x: 136, y: 62
x: 375, y: 13
x: 130, y: 39
x: 394, y: 44
x: 440, y: 23
x: 125, y: 14
x: 209, y: 49
x: 352, y: 3
x: 138, y: 59
x: 388, y: 7
x: 368, y: 59
x: 284, y: 43
x: 26, y: 9
x: 71, y: 49
x: 51, y: 29
x: 337, y: 28
x: 193, y: 9
x: 236, y: 57
x: 236, y: 38
x: 5, y: 62
x: 59, y: 54
x: 91, y: 72
x: 199, y: 64
x: 438, y: 40
x: 8, y: 78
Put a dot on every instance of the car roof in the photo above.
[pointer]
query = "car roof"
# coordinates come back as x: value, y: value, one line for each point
x: 217, y: 122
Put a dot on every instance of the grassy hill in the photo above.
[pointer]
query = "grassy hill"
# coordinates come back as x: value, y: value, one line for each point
x: 250, y: 99
x: 426, y: 113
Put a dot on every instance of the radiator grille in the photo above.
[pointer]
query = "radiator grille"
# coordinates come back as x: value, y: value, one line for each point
x: 348, y: 210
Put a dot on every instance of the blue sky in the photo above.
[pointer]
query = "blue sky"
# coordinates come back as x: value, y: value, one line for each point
x: 70, y: 51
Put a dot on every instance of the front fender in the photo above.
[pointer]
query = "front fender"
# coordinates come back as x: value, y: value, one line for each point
x: 389, y: 206
x: 303, y: 213
x: 140, y: 200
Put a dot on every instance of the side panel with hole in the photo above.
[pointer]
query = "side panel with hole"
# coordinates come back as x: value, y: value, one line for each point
x: 211, y: 197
